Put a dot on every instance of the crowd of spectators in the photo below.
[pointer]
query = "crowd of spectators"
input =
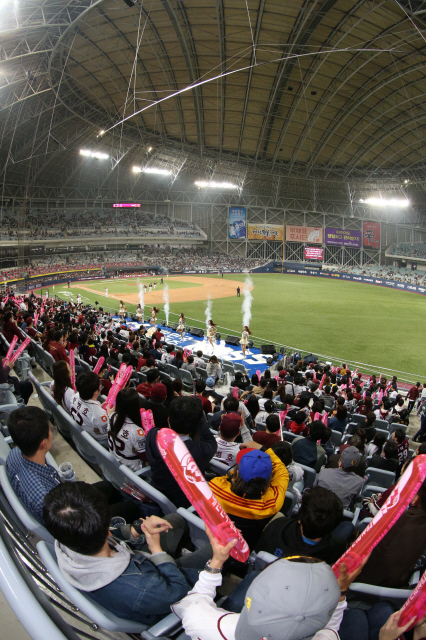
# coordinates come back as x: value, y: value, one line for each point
x: 397, y: 274
x: 172, y: 258
x: 41, y: 224
x: 296, y: 597
x: 408, y: 249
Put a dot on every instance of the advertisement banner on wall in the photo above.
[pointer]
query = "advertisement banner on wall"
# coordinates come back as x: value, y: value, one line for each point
x: 294, y: 233
x: 314, y: 253
x: 264, y: 231
x: 343, y: 237
x: 371, y: 234
x: 237, y: 223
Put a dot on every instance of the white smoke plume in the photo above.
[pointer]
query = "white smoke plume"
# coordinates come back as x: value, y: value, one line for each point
x: 141, y: 300
x: 166, y: 302
x: 248, y: 299
x: 208, y: 310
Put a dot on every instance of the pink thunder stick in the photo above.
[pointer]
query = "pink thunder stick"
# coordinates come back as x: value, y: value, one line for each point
x: 236, y: 392
x: 322, y: 382
x: 99, y: 364
x: 259, y: 375
x: 192, y: 482
x: 324, y: 419
x: 399, y: 499
x: 283, y: 415
x: 10, y: 350
x: 415, y: 605
x: 18, y: 352
x: 72, y: 365
x: 147, y: 420
x: 35, y: 319
x: 121, y: 379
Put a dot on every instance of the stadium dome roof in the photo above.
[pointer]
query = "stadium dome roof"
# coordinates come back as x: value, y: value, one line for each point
x: 214, y: 89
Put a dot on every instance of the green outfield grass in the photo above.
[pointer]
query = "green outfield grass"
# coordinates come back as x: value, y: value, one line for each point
x: 349, y: 320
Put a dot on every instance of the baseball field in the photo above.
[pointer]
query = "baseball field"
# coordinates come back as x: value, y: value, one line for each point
x: 343, y: 320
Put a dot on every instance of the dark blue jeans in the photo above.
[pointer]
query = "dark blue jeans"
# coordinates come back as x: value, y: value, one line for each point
x: 358, y: 624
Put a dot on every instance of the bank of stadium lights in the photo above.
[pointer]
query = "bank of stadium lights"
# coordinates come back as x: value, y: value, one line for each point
x: 94, y: 154
x: 215, y: 185
x: 387, y: 202
x: 155, y: 170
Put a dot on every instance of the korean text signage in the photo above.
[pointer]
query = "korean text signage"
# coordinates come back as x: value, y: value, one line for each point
x: 263, y: 231
x: 294, y: 233
x: 237, y: 223
x: 343, y: 237
x: 371, y: 234
x: 314, y: 253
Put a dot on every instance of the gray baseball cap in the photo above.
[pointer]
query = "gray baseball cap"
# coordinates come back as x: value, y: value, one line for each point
x: 288, y: 601
x: 351, y: 457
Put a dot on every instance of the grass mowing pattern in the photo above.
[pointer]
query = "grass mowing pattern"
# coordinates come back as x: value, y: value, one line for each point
x: 356, y: 321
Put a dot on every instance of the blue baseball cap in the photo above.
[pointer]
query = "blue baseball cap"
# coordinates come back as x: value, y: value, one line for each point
x: 210, y: 381
x: 253, y: 463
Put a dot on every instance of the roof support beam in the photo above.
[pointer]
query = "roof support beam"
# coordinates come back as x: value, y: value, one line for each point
x: 220, y: 12
x: 188, y: 49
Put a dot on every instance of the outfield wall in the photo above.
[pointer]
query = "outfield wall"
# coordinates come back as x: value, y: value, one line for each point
x: 381, y: 282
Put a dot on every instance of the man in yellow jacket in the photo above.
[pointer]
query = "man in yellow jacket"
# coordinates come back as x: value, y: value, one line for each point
x: 252, y: 493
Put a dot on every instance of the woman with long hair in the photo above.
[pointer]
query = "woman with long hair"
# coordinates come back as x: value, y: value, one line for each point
x: 244, y: 337
x: 121, y: 310
x: 154, y: 312
x: 181, y: 326
x: 213, y: 368
x: 139, y: 314
x: 211, y: 332
x: 126, y: 436
x: 61, y: 386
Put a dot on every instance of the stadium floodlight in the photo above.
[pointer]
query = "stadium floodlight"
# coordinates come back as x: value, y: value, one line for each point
x: 160, y: 172
x: 387, y: 202
x: 137, y: 169
x: 94, y: 154
x: 215, y: 185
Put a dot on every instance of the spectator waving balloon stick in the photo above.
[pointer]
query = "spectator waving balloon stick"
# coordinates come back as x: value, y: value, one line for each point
x: 397, y: 502
x: 415, y: 605
x: 147, y: 420
x: 11, y: 348
x: 18, y: 352
x: 190, y: 479
x: 99, y: 364
x: 72, y: 365
x: 110, y: 401
x: 322, y: 382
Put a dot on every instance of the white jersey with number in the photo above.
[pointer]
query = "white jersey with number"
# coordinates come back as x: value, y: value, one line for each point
x: 128, y: 443
x: 90, y: 416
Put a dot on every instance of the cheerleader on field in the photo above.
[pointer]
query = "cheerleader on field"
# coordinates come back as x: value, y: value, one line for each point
x: 181, y: 326
x: 211, y: 332
x: 154, y: 312
x: 244, y: 337
x: 139, y: 314
x: 121, y: 310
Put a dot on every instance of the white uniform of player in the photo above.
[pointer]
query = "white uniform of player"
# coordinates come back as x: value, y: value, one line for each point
x: 150, y: 287
x: 68, y: 396
x: 129, y: 442
x: 144, y: 288
x: 106, y: 292
x: 155, y: 286
x: 90, y: 416
x: 79, y: 299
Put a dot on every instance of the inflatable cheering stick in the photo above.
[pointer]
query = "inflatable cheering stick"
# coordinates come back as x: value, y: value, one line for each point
x: 147, y: 420
x: 415, y: 605
x: 72, y: 365
x: 192, y: 482
x: 10, y: 350
x: 112, y: 394
x: 18, y: 352
x: 99, y: 364
x: 322, y: 382
x: 394, y: 507
x: 236, y: 392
